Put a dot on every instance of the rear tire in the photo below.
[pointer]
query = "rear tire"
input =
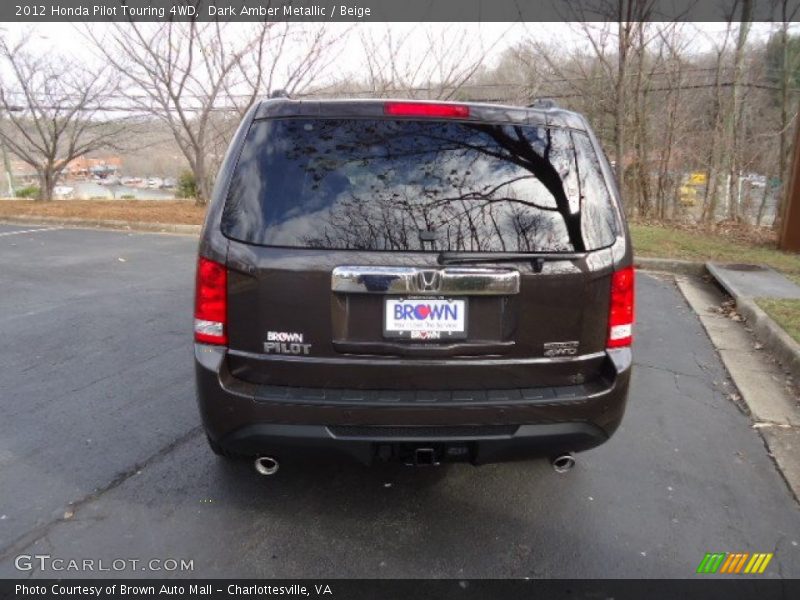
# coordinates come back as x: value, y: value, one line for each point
x: 220, y: 450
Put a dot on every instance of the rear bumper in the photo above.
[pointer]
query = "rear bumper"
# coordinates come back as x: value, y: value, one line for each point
x: 373, y: 445
x: 481, y: 426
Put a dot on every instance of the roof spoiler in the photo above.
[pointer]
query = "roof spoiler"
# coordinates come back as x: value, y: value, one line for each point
x: 543, y: 103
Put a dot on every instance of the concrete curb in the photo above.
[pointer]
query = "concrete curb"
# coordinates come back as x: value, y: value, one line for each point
x: 105, y: 224
x: 669, y: 265
x: 776, y: 341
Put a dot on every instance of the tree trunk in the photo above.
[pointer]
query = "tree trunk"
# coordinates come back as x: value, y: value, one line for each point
x: 203, y: 191
x: 783, y: 148
x: 715, y: 161
x: 619, y: 113
x: 201, y: 180
x: 666, y: 157
x: 47, y: 183
x: 736, y: 115
x: 641, y: 154
x: 763, y: 204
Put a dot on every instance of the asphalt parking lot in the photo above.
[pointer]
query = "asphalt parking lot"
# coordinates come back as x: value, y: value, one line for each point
x: 102, y: 456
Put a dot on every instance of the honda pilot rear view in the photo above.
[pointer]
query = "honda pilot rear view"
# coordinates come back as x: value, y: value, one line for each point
x: 412, y: 282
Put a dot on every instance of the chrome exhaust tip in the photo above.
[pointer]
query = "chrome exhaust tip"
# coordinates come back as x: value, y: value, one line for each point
x: 563, y: 463
x: 266, y: 465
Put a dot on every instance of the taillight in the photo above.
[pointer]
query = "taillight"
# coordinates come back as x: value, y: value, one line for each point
x: 423, y: 109
x: 211, y: 303
x: 620, y: 312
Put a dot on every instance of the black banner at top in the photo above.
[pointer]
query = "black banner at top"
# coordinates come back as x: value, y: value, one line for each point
x: 398, y: 10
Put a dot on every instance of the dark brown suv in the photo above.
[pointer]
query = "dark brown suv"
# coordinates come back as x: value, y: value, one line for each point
x: 413, y: 281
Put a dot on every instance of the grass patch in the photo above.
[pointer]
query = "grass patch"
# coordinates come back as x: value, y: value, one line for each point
x: 149, y: 211
x: 785, y: 313
x: 699, y: 245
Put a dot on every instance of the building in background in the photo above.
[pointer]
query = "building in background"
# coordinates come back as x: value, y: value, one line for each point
x: 86, y: 168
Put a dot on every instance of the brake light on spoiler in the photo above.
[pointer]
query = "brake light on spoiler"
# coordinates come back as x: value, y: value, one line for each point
x: 211, y: 303
x: 425, y: 109
x: 620, y: 311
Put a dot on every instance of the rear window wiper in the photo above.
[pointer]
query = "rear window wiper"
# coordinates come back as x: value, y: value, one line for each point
x: 537, y: 259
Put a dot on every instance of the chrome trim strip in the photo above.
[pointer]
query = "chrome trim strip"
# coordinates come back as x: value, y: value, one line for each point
x: 451, y: 281
x: 394, y: 361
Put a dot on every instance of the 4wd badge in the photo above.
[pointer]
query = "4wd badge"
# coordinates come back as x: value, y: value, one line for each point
x: 561, y: 348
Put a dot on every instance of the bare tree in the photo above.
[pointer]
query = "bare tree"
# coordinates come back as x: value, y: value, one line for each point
x: 436, y: 67
x: 716, y: 129
x: 613, y: 41
x: 54, y: 111
x: 626, y: 20
x: 644, y: 65
x: 736, y: 114
x: 788, y: 66
x: 186, y: 73
x: 673, y: 123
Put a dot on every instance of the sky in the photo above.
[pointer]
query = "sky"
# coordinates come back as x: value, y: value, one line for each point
x: 490, y: 39
x: 62, y: 36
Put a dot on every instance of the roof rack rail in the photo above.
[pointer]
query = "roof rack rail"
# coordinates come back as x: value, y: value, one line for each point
x: 543, y: 103
x: 279, y: 94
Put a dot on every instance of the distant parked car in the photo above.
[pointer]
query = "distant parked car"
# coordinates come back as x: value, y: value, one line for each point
x: 756, y: 180
x: 63, y: 191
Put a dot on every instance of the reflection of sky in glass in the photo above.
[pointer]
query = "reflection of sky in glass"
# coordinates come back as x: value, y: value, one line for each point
x: 376, y: 184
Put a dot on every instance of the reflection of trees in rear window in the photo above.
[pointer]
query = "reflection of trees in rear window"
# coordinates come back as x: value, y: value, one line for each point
x: 599, y: 220
x: 374, y: 185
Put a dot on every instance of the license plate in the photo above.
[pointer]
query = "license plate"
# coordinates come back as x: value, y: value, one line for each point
x: 425, y: 318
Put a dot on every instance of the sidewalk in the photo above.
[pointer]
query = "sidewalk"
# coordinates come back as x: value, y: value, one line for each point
x: 753, y: 281
x: 746, y: 283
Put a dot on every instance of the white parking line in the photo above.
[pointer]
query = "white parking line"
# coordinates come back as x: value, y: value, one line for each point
x: 7, y: 233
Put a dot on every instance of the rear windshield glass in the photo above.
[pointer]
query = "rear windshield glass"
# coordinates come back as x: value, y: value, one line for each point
x: 356, y: 184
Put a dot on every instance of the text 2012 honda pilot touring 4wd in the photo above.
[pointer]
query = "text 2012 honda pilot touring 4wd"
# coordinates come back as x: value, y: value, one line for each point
x: 419, y: 282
